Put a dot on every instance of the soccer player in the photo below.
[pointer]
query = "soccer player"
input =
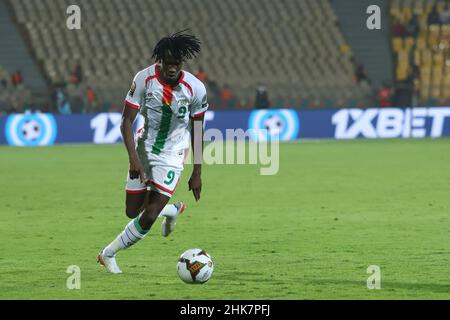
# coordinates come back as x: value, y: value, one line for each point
x: 173, y: 102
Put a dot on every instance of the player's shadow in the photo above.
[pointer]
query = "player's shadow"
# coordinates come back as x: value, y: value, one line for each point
x: 390, y: 285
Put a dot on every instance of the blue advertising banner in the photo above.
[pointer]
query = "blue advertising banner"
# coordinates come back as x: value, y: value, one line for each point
x: 39, y: 129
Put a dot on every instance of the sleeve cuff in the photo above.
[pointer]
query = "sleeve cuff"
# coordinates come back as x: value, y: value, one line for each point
x: 198, y: 115
x: 131, y: 105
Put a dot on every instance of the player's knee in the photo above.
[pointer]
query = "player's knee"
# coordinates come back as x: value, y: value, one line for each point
x: 131, y: 213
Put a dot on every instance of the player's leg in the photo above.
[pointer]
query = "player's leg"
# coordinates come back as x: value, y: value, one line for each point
x: 136, y: 192
x: 171, y: 213
x: 162, y: 184
x: 135, y: 198
x: 165, y: 177
x: 155, y: 204
x: 134, y: 231
x: 135, y: 204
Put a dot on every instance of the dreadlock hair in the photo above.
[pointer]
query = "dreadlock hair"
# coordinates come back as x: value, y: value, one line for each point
x: 180, y: 45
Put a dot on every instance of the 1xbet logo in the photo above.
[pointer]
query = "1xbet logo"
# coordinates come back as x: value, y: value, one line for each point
x: 391, y: 123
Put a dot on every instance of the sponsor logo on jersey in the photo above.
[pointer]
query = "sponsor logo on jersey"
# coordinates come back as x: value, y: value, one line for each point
x: 183, y: 102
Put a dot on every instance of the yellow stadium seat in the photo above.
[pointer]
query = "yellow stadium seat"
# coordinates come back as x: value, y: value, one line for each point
x: 417, y: 56
x: 409, y: 42
x: 436, y: 92
x: 397, y: 44
x: 425, y: 75
x: 427, y: 58
x: 434, y: 29
x: 421, y: 42
x: 445, y: 30
x: 438, y: 59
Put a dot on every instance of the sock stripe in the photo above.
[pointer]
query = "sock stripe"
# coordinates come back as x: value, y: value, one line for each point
x: 126, y: 233
x: 132, y: 233
x: 131, y: 240
x: 138, y: 226
x: 124, y: 245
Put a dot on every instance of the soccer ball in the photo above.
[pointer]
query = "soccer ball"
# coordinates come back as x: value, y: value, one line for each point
x: 195, y: 266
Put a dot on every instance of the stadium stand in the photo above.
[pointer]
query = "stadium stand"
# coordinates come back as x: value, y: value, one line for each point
x: 370, y: 47
x: 18, y: 72
x: 294, y: 48
x: 14, y: 96
x: 421, y: 45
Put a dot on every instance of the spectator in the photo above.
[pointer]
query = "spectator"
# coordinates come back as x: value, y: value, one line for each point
x: 434, y: 17
x: 4, y: 77
x: 91, y: 99
x: 24, y: 96
x: 413, y: 27
x: 385, y: 95
x: 77, y: 97
x: 62, y: 104
x: 201, y: 75
x: 360, y: 74
x: 445, y: 16
x: 3, y: 101
x: 76, y: 77
x: 16, y: 78
x: 226, y: 96
x: 415, y: 74
x: 262, y: 98
x: 399, y: 29
x: 415, y: 99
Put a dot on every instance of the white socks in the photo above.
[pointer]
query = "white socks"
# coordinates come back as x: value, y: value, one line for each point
x: 132, y: 233
x: 169, y: 211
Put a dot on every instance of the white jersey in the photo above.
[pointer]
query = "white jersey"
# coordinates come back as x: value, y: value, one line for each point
x: 166, y: 109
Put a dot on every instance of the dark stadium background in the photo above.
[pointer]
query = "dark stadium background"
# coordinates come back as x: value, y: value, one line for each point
x: 354, y: 192
x: 306, y: 54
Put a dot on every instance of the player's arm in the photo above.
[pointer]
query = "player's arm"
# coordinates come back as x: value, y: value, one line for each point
x: 195, y: 182
x: 130, y: 110
x: 198, y: 109
x: 128, y: 116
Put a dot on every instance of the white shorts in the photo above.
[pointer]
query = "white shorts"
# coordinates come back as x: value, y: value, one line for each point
x: 162, y: 173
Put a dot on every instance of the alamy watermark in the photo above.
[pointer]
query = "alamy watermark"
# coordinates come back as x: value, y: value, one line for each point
x: 74, y: 280
x: 374, y: 280
x: 253, y: 147
x: 73, y: 21
x: 374, y: 20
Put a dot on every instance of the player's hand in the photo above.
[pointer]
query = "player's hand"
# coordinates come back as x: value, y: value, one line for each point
x: 195, y: 184
x: 137, y: 170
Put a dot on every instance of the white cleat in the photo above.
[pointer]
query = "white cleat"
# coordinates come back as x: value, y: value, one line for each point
x: 108, y: 262
x: 169, y: 224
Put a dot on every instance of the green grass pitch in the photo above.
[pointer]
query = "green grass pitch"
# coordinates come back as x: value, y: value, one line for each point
x: 309, y: 232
